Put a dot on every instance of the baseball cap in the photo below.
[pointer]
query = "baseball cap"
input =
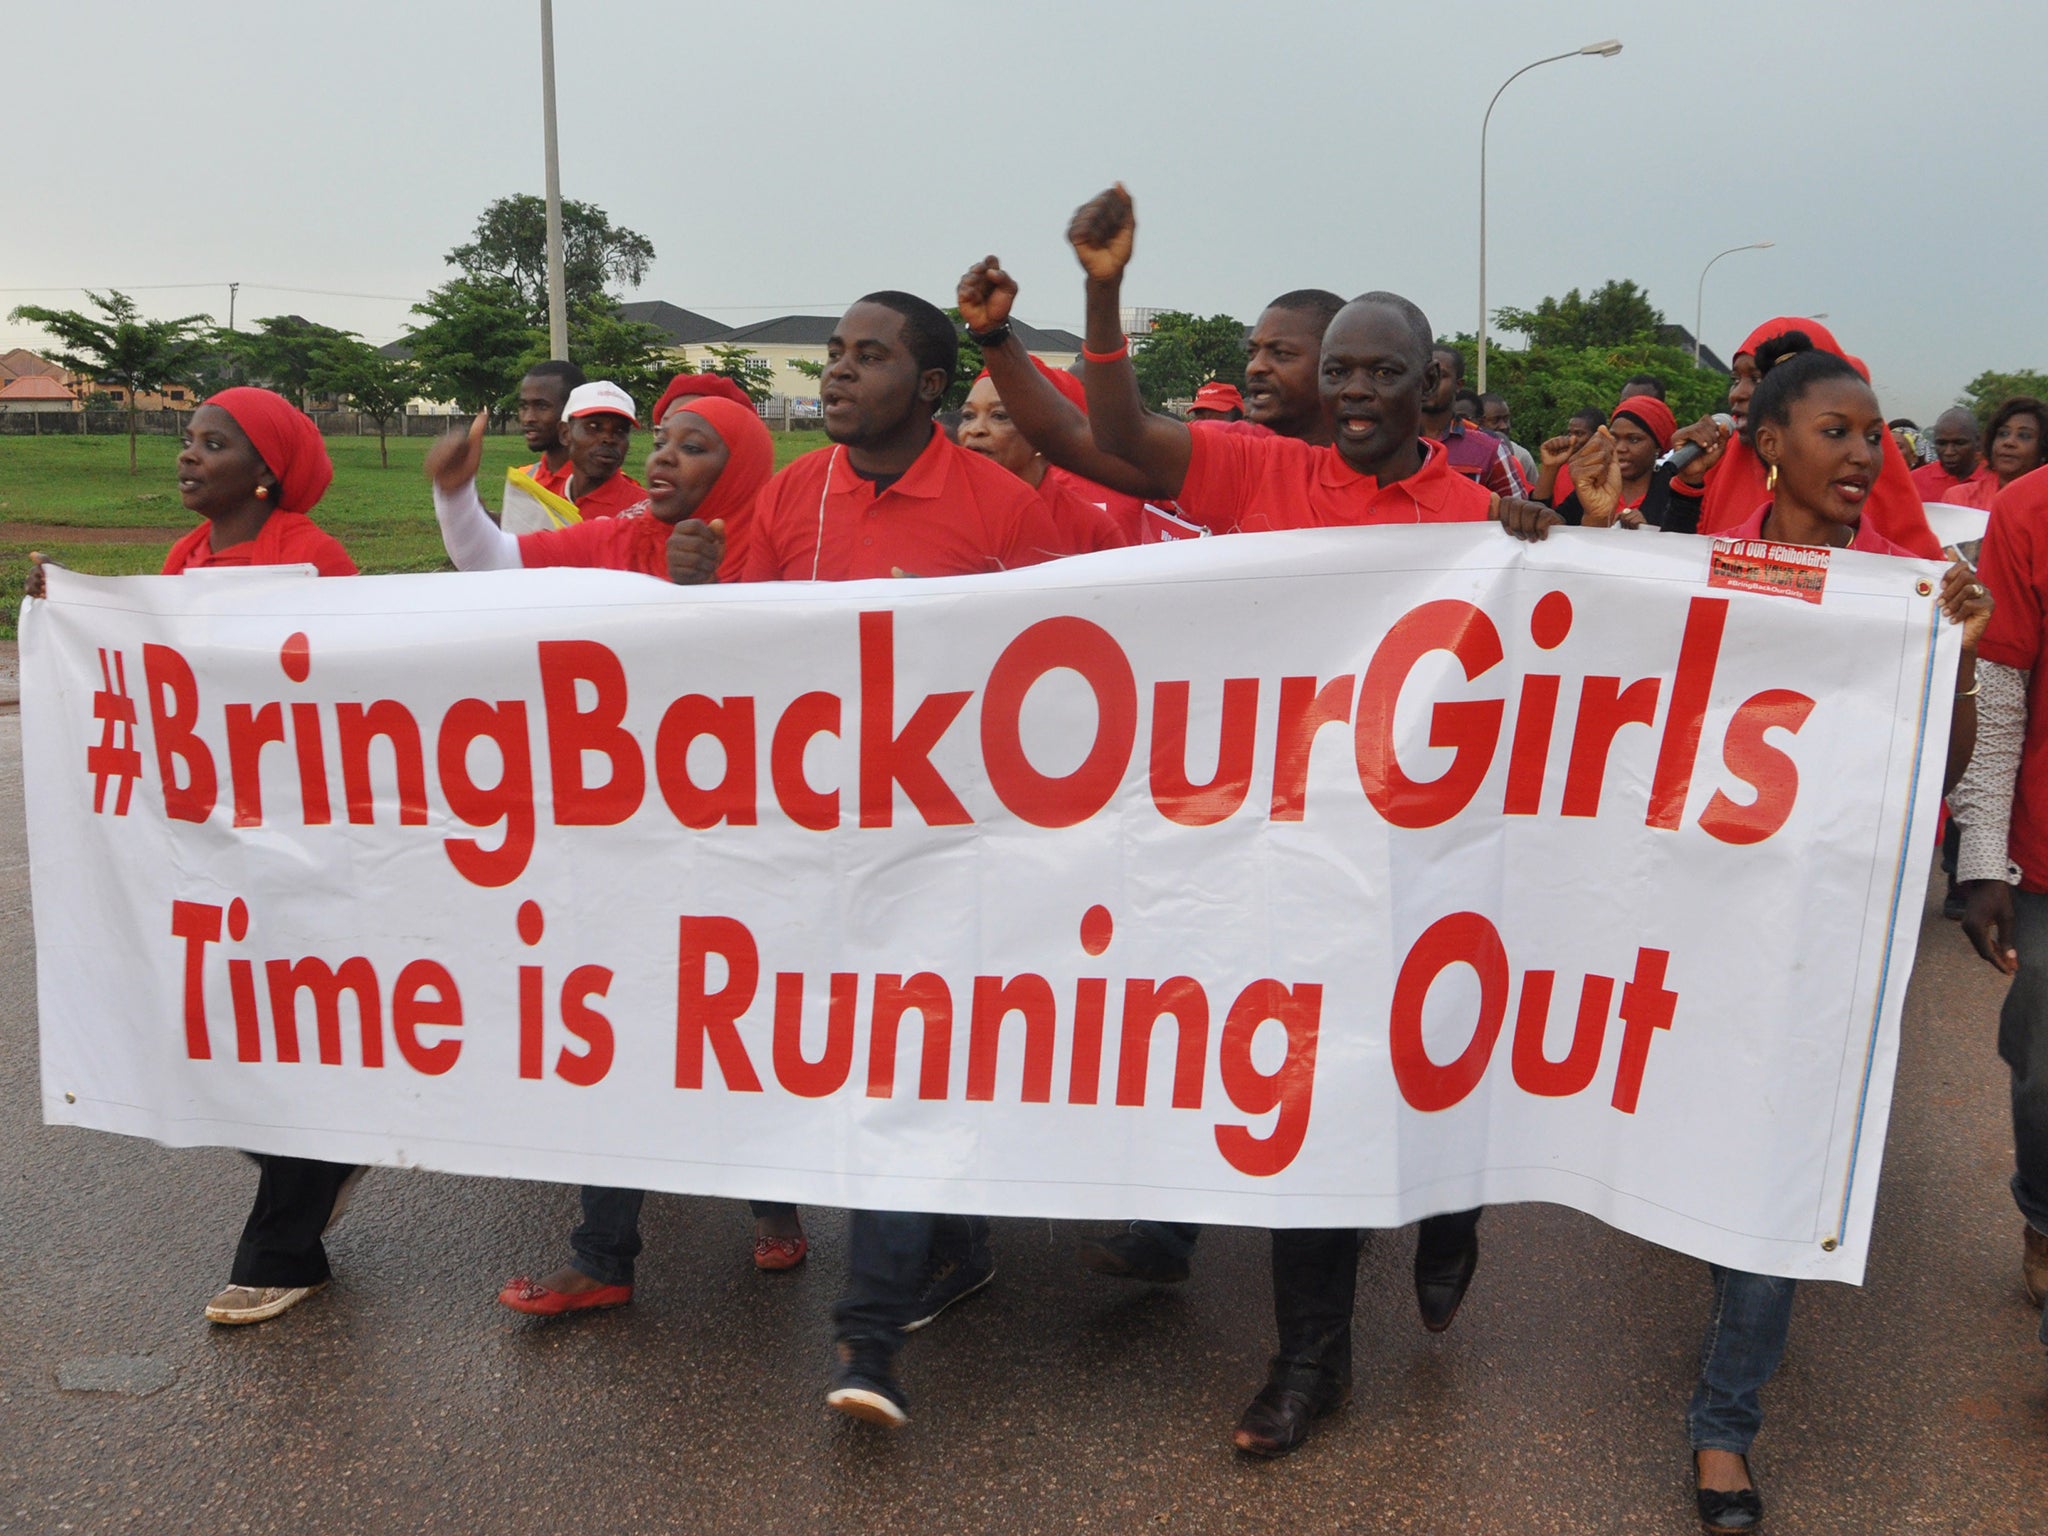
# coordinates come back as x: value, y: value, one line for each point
x: 600, y: 397
x: 1212, y: 396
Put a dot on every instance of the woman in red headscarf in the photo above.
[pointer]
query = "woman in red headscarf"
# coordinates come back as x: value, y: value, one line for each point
x: 1815, y: 426
x: 1736, y: 486
x: 711, y: 456
x: 252, y: 466
x: 1616, y: 478
x: 1079, y: 508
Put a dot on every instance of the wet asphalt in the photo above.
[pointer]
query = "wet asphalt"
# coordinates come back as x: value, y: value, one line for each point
x: 405, y: 1399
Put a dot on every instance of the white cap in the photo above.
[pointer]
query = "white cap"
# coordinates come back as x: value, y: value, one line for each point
x: 600, y: 397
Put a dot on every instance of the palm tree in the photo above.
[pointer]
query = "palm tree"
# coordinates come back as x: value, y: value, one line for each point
x: 141, y: 356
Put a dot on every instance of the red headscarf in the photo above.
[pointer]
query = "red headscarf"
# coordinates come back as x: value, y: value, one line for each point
x: 1654, y: 416
x: 750, y: 459
x: 1060, y: 379
x: 714, y: 386
x: 1736, y: 486
x: 285, y: 438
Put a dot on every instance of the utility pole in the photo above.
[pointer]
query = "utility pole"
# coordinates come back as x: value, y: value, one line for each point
x: 233, y: 289
x: 558, y: 298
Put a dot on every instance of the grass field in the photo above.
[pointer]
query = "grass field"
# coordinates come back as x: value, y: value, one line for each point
x: 73, y: 499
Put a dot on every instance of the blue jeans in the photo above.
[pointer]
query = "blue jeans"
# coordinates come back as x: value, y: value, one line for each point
x: 888, y: 1255
x: 1744, y: 1343
x: 608, y: 1241
x: 1176, y: 1238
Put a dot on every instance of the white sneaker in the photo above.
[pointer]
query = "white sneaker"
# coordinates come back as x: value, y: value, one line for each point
x: 256, y: 1304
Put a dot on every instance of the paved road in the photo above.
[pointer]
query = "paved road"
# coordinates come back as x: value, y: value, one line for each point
x: 405, y: 1399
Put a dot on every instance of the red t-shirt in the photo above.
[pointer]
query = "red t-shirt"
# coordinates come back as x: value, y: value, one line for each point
x: 618, y: 494
x: 286, y: 538
x: 1868, y: 541
x: 952, y: 513
x: 550, y: 479
x: 2013, y: 565
x: 1083, y: 522
x: 1239, y: 483
x: 635, y: 540
x: 1936, y: 484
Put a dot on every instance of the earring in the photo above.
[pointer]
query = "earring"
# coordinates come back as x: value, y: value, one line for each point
x: 1771, y: 479
x: 263, y: 491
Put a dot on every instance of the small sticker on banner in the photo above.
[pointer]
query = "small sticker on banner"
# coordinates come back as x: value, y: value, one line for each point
x: 1758, y: 565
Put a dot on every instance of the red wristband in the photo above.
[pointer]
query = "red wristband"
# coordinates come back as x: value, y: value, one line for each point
x: 1117, y: 356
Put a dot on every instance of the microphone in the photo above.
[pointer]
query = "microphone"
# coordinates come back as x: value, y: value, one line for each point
x: 1678, y: 458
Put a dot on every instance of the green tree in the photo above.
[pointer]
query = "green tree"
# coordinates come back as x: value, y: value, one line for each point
x: 606, y: 345
x: 964, y: 372
x: 287, y: 353
x: 1989, y: 390
x: 1182, y: 353
x: 1545, y: 385
x: 511, y: 247
x: 475, y: 344
x: 120, y: 347
x: 379, y: 387
x: 812, y: 369
x: 751, y: 371
x: 1615, y: 314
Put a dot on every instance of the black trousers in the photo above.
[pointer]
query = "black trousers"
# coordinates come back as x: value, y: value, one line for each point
x: 280, y: 1244
x: 1315, y: 1285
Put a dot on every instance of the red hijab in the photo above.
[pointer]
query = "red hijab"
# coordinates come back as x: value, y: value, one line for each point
x: 1061, y: 380
x: 1736, y: 488
x: 285, y: 438
x: 750, y: 459
x: 713, y: 386
x: 1653, y: 415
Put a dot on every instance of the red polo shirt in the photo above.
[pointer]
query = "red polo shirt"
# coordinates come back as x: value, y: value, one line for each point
x: 1868, y: 540
x: 550, y: 479
x: 286, y: 538
x: 2013, y: 565
x: 1936, y: 484
x: 1239, y: 483
x: 1080, y: 513
x: 616, y: 495
x: 952, y: 513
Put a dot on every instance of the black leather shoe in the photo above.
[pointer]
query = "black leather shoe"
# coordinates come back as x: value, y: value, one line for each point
x: 1727, y: 1513
x: 1441, y: 1283
x: 1287, y: 1406
x: 1132, y: 1255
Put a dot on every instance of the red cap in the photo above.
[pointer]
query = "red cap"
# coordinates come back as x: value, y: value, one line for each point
x: 1215, y: 396
x: 1060, y: 380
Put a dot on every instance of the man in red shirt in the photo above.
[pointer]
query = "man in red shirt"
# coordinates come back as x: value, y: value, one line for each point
x: 892, y: 496
x: 1958, y: 460
x: 2002, y: 803
x: 543, y: 396
x: 1376, y: 367
x: 599, y: 421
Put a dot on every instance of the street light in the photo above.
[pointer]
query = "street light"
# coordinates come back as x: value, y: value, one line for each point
x: 558, y: 303
x: 1699, y: 308
x: 1606, y: 50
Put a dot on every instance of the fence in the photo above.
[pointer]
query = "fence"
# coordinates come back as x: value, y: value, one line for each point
x: 778, y: 413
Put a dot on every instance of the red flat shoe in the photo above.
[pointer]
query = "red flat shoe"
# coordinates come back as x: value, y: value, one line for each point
x: 530, y: 1296
x: 773, y: 1253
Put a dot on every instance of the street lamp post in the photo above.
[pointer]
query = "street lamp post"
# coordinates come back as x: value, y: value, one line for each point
x: 1606, y: 50
x: 558, y: 299
x: 1699, y: 307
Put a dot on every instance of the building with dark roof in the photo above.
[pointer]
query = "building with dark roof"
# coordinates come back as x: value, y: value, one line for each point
x: 682, y: 327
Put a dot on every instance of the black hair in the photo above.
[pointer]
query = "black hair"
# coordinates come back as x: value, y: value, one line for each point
x: 1319, y: 302
x: 1490, y: 398
x: 2018, y: 405
x: 1643, y: 384
x: 1592, y: 418
x: 1903, y: 421
x: 1438, y: 349
x: 559, y: 368
x: 930, y: 335
x: 1419, y: 328
x: 1466, y: 402
x: 1791, y: 365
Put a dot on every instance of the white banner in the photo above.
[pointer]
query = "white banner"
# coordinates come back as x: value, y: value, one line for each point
x: 1310, y: 879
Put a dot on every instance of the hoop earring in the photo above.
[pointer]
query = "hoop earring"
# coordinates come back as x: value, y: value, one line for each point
x: 1771, y: 479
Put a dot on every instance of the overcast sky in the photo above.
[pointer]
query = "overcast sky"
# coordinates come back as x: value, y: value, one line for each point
x: 786, y: 157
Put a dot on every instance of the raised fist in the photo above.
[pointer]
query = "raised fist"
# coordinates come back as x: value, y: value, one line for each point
x: 1101, y: 233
